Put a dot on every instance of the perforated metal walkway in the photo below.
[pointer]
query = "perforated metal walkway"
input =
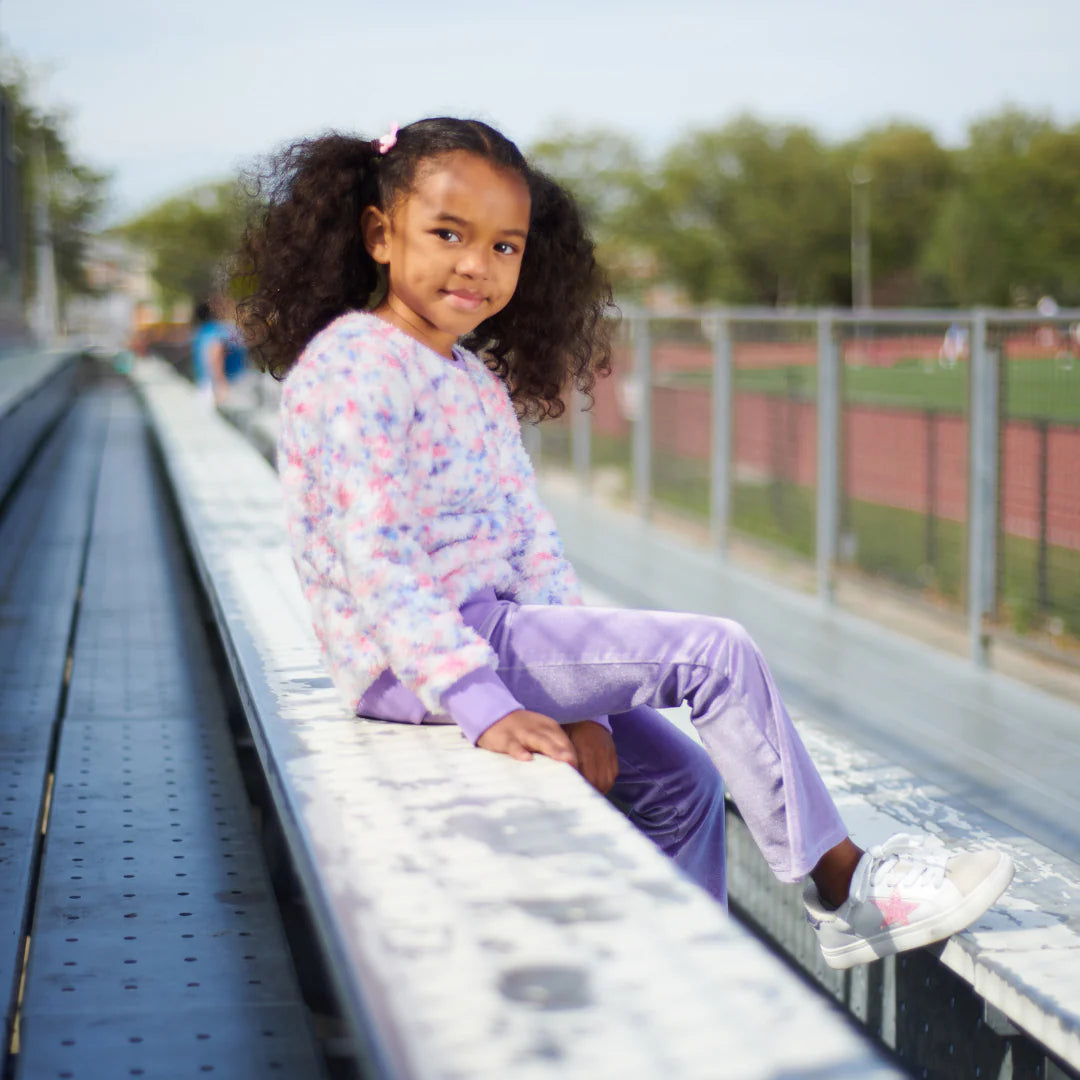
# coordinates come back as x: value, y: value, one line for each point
x: 156, y: 948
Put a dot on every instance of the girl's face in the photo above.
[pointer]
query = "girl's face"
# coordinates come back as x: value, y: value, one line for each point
x: 452, y: 248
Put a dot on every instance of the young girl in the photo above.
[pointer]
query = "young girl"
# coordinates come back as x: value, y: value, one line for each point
x: 417, y: 293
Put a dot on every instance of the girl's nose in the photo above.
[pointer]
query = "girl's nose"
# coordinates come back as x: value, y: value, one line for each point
x: 473, y: 262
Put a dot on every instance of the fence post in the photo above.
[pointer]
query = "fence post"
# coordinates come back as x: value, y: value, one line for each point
x: 641, y: 407
x: 828, y: 465
x: 1042, y: 590
x: 719, y: 328
x: 930, y: 537
x: 581, y: 438
x: 982, y: 489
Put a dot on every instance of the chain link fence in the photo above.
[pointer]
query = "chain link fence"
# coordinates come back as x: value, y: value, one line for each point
x: 938, y: 451
x: 904, y: 454
x: 1037, y: 566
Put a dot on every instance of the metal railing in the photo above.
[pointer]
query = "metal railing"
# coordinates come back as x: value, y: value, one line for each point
x: 938, y: 450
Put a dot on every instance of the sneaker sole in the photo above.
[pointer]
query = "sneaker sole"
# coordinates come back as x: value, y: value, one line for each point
x: 926, y: 932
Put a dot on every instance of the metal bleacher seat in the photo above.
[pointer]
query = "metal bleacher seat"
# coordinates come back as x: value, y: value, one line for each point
x: 34, y: 391
x: 479, y: 918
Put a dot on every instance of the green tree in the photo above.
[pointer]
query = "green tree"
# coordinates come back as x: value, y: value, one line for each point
x: 753, y: 213
x: 1010, y: 230
x: 910, y: 179
x: 608, y: 178
x: 75, y: 191
x: 189, y: 237
x: 1054, y: 187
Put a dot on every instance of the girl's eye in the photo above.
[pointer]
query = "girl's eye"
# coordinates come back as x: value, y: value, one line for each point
x: 504, y: 248
x: 448, y: 235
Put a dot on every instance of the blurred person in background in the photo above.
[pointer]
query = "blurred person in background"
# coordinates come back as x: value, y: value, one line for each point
x: 218, y: 359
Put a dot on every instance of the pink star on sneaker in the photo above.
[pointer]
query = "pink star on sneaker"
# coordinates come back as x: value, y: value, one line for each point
x: 894, y: 911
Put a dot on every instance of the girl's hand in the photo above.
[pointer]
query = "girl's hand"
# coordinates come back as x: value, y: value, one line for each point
x: 598, y: 761
x: 521, y: 733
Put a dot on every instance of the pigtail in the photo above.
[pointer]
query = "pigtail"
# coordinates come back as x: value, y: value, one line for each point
x: 302, y: 257
x: 556, y: 331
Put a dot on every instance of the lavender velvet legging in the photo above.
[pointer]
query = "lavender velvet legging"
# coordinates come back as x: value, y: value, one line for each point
x: 572, y: 663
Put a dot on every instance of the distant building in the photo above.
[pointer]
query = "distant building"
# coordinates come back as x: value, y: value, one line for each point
x: 122, y: 301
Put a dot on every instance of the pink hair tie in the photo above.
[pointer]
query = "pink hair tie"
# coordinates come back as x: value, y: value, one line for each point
x: 388, y: 141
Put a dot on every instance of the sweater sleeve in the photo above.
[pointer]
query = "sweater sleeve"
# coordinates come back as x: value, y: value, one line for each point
x: 356, y: 439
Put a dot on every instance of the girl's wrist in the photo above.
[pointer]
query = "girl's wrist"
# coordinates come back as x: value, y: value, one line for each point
x: 478, y: 700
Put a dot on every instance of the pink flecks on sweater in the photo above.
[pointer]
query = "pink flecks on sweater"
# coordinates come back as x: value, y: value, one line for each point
x: 406, y: 491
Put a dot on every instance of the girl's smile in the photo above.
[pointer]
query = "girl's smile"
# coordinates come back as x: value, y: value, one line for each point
x: 465, y: 299
x: 452, y: 248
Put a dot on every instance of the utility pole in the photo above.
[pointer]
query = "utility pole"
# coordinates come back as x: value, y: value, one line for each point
x: 44, y: 317
x: 860, y: 237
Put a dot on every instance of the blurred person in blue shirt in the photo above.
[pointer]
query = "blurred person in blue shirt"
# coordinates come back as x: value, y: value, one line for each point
x: 218, y: 359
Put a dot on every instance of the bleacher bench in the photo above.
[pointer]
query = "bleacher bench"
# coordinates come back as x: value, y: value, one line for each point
x: 480, y: 917
x: 35, y: 389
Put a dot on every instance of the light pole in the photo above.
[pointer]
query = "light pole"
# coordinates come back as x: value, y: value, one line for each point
x: 46, y: 308
x: 860, y: 237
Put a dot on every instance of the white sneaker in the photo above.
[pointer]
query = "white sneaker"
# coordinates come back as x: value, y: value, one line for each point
x: 906, y: 893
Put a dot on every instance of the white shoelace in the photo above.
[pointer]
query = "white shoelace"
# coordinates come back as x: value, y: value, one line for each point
x: 925, y: 859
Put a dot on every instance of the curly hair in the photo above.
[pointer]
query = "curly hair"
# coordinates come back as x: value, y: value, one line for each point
x: 304, y: 258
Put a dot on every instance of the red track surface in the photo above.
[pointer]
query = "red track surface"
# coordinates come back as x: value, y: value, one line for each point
x: 887, y: 453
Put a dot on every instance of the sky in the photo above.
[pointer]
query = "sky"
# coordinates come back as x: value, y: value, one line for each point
x: 166, y: 95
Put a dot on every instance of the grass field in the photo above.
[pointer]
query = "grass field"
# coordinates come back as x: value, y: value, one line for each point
x: 1033, y: 388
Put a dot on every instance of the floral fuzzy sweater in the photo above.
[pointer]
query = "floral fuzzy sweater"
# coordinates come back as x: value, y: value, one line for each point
x: 407, y: 491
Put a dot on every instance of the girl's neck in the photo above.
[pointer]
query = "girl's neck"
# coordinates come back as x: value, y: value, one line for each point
x: 408, y: 323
